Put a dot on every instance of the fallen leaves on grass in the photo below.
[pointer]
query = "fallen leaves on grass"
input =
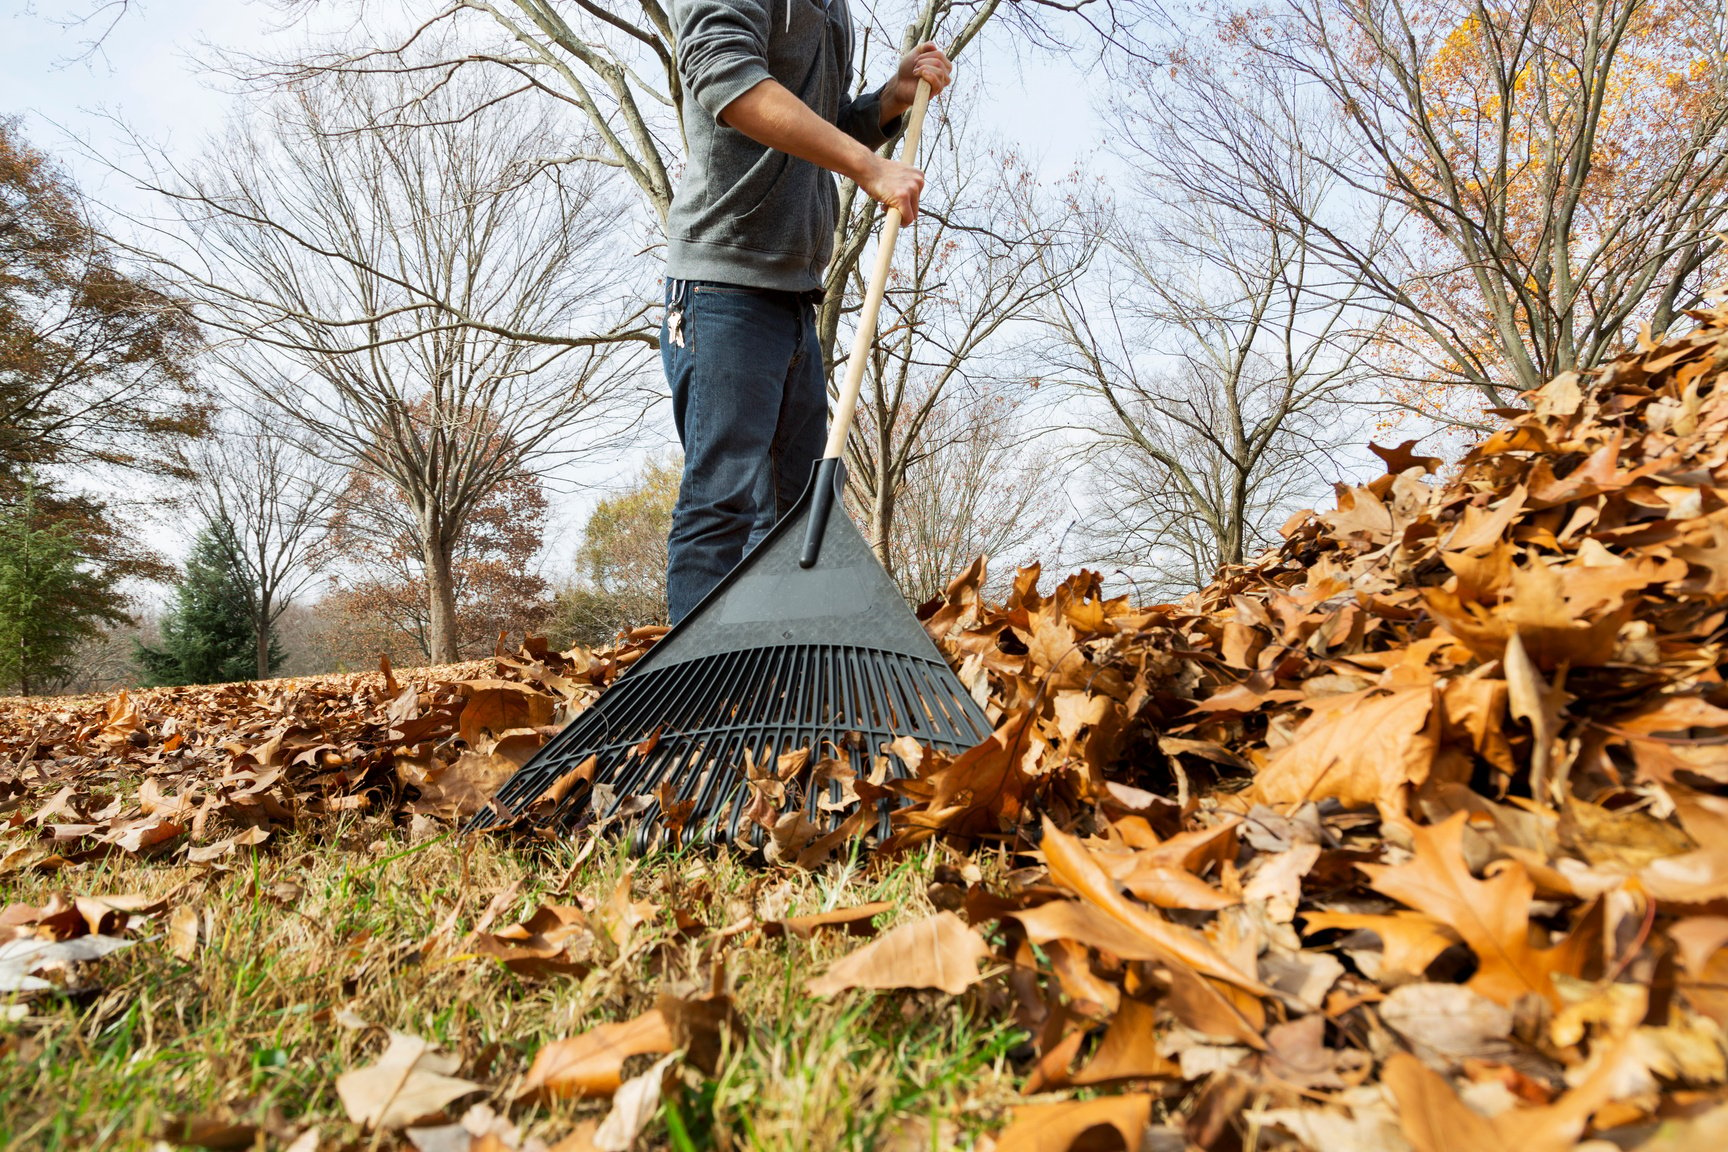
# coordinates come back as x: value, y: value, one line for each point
x: 592, y: 1064
x: 1413, y: 830
x: 55, y: 945
x: 410, y: 1083
x: 555, y: 941
x: 40, y: 965
x: 939, y: 952
x: 220, y: 768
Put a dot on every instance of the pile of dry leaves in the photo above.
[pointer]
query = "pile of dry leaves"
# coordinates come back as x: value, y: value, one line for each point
x: 1412, y: 835
x: 198, y: 772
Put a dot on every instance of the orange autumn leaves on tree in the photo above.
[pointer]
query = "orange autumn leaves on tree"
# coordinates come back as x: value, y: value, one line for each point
x: 1519, y: 186
x: 1563, y: 169
x: 96, y: 357
x: 1534, y: 99
x: 382, y: 601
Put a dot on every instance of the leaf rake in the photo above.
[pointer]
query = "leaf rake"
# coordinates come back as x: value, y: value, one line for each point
x: 806, y: 644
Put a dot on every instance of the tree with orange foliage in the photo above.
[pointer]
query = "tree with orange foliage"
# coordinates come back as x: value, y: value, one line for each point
x: 1520, y: 183
x: 381, y: 603
x: 95, y: 358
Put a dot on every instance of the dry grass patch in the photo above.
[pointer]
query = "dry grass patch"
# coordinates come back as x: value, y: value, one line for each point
x: 307, y: 953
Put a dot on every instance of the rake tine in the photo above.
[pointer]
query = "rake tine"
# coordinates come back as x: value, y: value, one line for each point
x: 723, y: 764
x: 941, y: 714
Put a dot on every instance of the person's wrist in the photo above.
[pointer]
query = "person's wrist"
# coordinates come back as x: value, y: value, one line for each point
x: 864, y: 168
x: 893, y: 106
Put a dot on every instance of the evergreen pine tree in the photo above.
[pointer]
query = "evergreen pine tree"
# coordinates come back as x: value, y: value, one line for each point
x: 207, y: 636
x: 50, y: 598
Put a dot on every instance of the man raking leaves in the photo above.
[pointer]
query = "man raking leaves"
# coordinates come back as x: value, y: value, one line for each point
x: 792, y: 671
x: 768, y: 115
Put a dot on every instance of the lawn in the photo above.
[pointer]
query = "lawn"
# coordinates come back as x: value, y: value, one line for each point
x: 303, y: 957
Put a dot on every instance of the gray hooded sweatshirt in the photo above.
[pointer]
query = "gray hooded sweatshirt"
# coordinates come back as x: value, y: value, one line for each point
x: 744, y: 213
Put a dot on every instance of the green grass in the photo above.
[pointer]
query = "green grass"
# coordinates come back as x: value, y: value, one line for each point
x: 325, y: 926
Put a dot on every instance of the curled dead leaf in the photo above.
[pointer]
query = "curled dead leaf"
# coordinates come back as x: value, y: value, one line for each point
x: 941, y: 952
x: 592, y: 1064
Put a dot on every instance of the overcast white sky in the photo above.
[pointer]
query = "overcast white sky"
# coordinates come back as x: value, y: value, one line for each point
x: 151, y: 73
x: 147, y: 72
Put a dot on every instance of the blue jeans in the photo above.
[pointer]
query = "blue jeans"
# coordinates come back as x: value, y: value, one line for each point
x: 750, y: 399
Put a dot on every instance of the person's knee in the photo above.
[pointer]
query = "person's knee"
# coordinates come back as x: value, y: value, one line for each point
x: 706, y: 517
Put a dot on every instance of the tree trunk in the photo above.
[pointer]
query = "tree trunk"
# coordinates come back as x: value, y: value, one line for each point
x: 882, y: 522
x: 261, y: 637
x: 1235, y: 542
x: 440, y: 601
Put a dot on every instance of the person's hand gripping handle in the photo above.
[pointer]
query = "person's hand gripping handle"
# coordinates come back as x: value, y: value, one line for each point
x: 827, y: 475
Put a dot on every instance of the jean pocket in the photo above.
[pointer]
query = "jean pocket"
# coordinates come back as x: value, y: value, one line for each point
x: 711, y: 289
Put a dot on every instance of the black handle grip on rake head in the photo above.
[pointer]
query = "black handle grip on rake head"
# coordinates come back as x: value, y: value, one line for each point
x: 828, y: 480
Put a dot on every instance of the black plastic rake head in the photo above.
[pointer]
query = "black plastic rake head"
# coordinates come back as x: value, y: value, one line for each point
x: 779, y: 657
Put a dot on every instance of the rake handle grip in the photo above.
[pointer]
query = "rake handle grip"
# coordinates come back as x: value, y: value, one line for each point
x: 866, y: 334
x: 821, y: 506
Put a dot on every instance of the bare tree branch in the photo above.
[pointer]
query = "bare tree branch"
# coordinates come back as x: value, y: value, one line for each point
x: 1221, y: 362
x: 974, y: 266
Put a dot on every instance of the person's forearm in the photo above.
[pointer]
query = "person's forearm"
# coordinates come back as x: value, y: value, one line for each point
x: 770, y: 115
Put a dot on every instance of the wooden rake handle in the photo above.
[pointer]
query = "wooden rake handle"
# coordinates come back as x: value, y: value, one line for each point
x: 827, y: 473
x: 861, y: 340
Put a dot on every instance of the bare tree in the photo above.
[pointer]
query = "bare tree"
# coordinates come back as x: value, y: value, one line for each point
x: 984, y: 487
x: 1219, y: 359
x: 314, y: 246
x: 1553, y: 172
x: 261, y: 480
x: 989, y: 246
